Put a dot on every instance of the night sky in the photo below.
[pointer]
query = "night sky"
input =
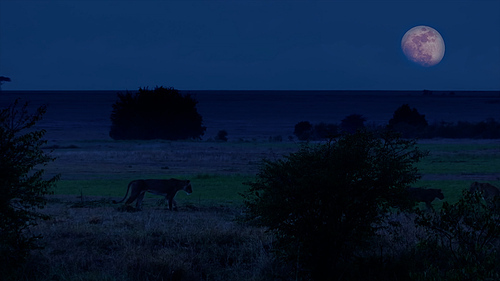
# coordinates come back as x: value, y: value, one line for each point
x: 244, y: 45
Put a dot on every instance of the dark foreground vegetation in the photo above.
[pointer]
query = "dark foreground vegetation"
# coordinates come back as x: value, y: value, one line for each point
x: 323, y: 203
x: 22, y: 188
x: 95, y: 241
x: 327, y: 205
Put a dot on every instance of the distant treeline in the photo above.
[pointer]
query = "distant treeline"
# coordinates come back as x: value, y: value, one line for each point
x: 407, y: 121
x: 488, y: 129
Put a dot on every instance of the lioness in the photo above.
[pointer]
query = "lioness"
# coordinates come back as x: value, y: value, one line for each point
x: 167, y: 188
x: 425, y: 195
x: 489, y: 191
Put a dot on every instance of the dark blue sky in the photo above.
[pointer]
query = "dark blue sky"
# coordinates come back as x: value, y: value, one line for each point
x: 244, y: 45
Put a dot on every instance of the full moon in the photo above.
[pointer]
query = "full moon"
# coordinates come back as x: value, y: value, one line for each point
x: 423, y: 45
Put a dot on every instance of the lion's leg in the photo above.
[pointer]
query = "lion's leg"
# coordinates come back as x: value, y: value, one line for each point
x: 134, y: 192
x: 132, y: 197
x: 138, y: 204
x: 171, y: 203
x: 429, y: 206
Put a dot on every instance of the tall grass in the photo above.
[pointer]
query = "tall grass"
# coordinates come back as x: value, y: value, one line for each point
x: 101, y: 243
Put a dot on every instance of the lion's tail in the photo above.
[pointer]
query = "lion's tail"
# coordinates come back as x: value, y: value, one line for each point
x: 128, y: 188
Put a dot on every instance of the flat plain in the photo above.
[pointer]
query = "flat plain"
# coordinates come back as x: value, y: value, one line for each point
x: 218, y: 169
x: 90, y: 238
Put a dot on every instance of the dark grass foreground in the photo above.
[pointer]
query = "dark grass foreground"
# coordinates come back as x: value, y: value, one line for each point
x: 104, y: 243
x: 94, y: 240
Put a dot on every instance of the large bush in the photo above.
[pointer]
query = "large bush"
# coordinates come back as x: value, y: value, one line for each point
x: 162, y: 113
x: 324, y: 202
x: 22, y: 184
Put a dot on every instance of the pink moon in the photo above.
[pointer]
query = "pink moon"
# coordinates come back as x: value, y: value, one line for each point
x: 423, y: 45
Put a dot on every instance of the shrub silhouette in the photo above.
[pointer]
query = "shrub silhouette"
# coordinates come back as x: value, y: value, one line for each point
x: 489, y: 129
x: 303, y: 130
x: 325, y: 131
x: 22, y: 186
x: 410, y: 116
x: 408, y: 121
x: 352, y: 123
x: 4, y: 79
x: 323, y: 202
x: 221, y: 136
x: 162, y: 113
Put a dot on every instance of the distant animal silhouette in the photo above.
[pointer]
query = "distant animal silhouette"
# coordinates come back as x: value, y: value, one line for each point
x: 167, y: 188
x: 425, y: 195
x: 488, y: 191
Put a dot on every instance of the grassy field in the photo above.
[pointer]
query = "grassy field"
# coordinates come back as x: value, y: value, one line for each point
x: 213, y: 189
x: 89, y: 238
x: 217, y: 170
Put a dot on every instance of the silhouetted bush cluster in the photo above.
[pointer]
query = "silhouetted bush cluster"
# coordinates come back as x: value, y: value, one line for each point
x: 306, y: 131
x: 412, y: 124
x: 162, y: 113
x: 489, y: 129
x: 221, y: 136
x: 408, y: 122
x: 350, y: 124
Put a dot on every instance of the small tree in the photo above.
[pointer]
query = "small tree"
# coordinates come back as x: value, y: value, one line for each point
x: 410, y: 116
x: 23, y: 187
x: 162, y: 113
x: 221, y: 136
x: 352, y: 123
x: 303, y: 130
x: 325, y: 131
x: 3, y: 79
x: 408, y: 121
x: 324, y: 202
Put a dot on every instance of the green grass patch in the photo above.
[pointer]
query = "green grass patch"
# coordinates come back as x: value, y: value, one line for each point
x: 219, y: 189
x: 460, y: 163
x: 207, y: 188
x: 444, y: 159
x: 458, y: 147
x: 460, y: 159
x: 92, y: 187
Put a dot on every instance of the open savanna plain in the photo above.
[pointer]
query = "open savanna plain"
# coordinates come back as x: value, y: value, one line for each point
x: 89, y: 238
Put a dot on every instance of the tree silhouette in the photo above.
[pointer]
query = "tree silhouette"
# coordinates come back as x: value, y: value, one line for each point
x: 23, y: 186
x: 162, y: 113
x: 352, y: 123
x: 410, y: 116
x: 3, y: 79
x: 408, y: 121
x: 303, y: 130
